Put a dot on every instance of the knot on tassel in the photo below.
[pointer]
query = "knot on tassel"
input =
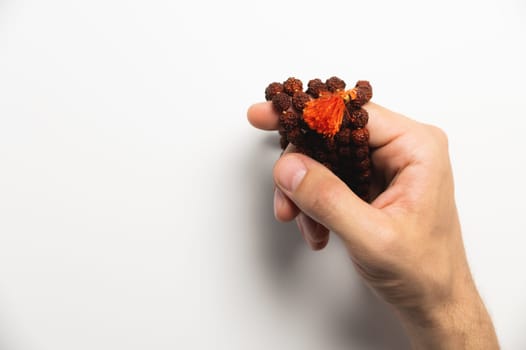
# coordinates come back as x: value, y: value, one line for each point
x: 325, y: 114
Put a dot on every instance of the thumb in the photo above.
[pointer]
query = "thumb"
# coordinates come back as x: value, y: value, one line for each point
x: 324, y: 197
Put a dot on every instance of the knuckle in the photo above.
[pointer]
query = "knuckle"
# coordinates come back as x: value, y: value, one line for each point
x: 439, y: 135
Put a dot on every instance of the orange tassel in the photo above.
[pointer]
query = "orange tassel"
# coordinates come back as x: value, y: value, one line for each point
x: 325, y: 114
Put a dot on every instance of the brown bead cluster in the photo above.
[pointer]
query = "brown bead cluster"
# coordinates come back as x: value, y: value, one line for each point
x: 346, y: 153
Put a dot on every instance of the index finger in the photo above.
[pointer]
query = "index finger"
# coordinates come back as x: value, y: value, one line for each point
x: 262, y: 116
x: 384, y: 125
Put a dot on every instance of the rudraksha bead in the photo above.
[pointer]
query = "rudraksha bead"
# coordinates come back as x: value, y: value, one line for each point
x: 361, y: 97
x: 365, y: 86
x: 272, y: 90
x: 343, y: 137
x: 331, y: 144
x: 361, y: 152
x: 364, y: 175
x: 321, y: 156
x: 360, y: 137
x: 364, y: 164
x: 345, y: 151
x: 333, y: 157
x: 299, y: 99
x: 362, y: 190
x: 291, y: 85
x: 334, y: 84
x: 359, y: 118
x: 288, y: 120
x: 315, y: 86
x: 281, y: 102
x: 295, y: 136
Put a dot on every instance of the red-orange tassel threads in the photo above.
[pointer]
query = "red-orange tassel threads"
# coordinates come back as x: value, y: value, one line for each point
x: 325, y: 114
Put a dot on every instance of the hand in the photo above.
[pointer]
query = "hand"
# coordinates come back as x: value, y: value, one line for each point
x: 407, y: 242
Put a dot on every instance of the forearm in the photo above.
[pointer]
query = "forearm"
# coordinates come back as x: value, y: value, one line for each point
x: 461, y: 324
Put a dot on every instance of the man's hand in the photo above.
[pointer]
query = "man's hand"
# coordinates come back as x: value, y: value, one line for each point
x: 407, y: 242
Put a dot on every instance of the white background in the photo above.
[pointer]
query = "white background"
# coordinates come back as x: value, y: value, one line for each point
x: 136, y: 201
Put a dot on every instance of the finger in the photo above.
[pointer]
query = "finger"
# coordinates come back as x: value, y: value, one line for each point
x: 315, y: 234
x: 385, y: 125
x: 284, y: 209
x: 263, y: 116
x: 325, y: 198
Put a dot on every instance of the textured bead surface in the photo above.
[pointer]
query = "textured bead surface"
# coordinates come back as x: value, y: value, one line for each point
x: 362, y: 97
x: 281, y: 102
x: 272, y: 90
x: 359, y: 118
x: 315, y: 86
x: 288, y: 120
x: 345, y: 152
x: 334, y: 84
x: 344, y: 136
x: 291, y: 85
x: 360, y: 137
x: 366, y: 88
x: 299, y: 99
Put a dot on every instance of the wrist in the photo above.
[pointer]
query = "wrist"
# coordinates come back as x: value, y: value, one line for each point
x: 459, y: 322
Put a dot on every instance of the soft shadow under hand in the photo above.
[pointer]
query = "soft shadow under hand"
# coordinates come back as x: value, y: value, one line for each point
x: 280, y: 243
x: 325, y: 282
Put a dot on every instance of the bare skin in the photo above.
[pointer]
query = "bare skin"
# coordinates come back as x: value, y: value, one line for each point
x: 407, y: 243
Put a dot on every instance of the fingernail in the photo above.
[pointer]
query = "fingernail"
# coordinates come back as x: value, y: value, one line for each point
x: 278, y: 201
x: 292, y: 171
